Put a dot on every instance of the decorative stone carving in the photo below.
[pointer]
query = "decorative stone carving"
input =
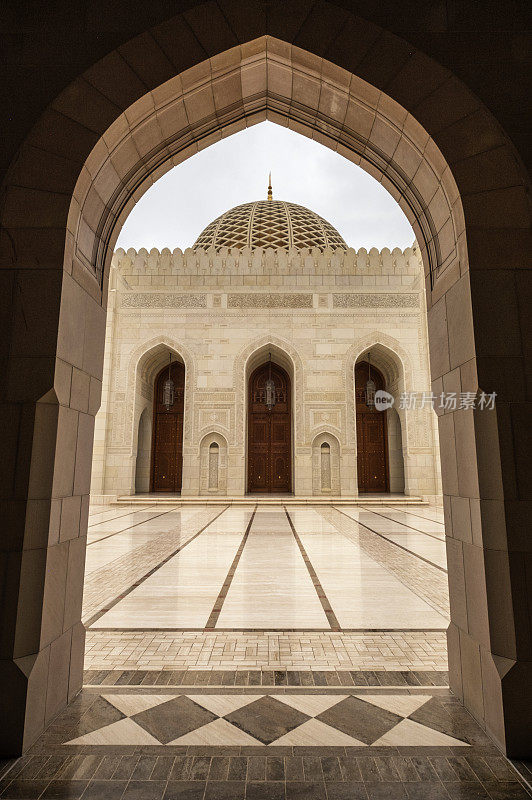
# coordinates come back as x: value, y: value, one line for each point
x: 212, y: 464
x: 326, y: 464
x: 263, y: 300
x: 375, y: 300
x: 239, y: 378
x: 157, y: 300
x: 325, y: 397
x: 213, y: 415
x: 324, y: 416
x: 266, y: 261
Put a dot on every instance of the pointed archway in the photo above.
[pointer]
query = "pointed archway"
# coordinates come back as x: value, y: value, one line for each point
x: 419, y: 137
x: 167, y: 439
x: 373, y: 469
x: 269, y: 430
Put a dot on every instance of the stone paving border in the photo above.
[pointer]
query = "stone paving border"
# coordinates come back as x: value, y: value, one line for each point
x: 280, y: 677
x: 222, y: 650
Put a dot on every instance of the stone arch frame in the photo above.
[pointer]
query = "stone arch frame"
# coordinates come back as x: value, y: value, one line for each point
x: 241, y: 371
x: 490, y: 657
x: 249, y: 357
x: 325, y: 436
x: 139, y: 358
x: 324, y: 102
x: 398, y: 375
x: 212, y: 435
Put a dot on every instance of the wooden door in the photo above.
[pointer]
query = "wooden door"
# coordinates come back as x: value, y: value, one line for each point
x: 372, y: 450
x: 269, y: 433
x: 167, y: 438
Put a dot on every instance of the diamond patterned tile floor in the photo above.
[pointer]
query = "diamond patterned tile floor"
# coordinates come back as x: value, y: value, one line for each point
x: 263, y: 714
x: 353, y: 720
x: 267, y: 719
x: 332, y: 743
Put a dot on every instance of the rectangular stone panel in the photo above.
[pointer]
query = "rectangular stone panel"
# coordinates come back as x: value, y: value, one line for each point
x: 155, y: 300
x: 263, y: 300
x: 375, y: 300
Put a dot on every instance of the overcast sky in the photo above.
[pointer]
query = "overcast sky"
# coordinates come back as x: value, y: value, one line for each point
x: 181, y: 204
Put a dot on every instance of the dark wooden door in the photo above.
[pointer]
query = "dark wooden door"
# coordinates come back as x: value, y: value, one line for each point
x: 167, y: 438
x: 269, y: 447
x: 372, y: 450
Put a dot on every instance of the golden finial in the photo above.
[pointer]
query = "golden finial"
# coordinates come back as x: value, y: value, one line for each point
x: 270, y: 193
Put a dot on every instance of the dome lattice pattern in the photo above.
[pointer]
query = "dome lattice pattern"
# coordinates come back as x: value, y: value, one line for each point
x: 269, y: 223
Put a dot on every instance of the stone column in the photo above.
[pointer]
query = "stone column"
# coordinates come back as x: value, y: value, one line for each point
x: 51, y: 392
x: 485, y: 454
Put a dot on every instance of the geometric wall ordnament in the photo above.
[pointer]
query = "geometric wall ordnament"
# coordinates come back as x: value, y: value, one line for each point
x: 375, y: 300
x: 264, y: 300
x: 155, y: 300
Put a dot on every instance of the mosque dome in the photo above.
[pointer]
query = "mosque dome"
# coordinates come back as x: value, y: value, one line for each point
x: 269, y: 223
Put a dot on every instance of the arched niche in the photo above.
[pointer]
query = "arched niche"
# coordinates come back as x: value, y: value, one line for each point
x: 213, y: 464
x: 326, y: 465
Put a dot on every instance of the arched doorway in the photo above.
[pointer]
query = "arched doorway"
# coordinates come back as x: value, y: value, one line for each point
x: 372, y: 447
x: 167, y: 441
x: 269, y: 432
x: 440, y: 124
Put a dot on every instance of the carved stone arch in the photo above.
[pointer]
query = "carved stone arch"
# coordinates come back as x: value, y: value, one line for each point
x: 488, y: 671
x: 294, y: 365
x: 400, y: 358
x: 215, y: 430
x: 326, y: 429
x: 140, y: 357
x: 403, y: 373
x: 332, y: 486
x: 208, y: 486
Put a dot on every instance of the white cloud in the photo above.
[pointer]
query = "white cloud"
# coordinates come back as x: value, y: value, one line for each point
x: 175, y: 210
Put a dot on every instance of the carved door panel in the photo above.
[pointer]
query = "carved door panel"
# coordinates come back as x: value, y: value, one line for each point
x: 269, y: 438
x: 372, y: 451
x: 167, y: 443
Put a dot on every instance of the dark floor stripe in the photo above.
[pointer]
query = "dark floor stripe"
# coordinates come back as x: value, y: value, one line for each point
x: 128, y: 527
x: 329, y: 613
x: 148, y: 574
x: 105, y: 509
x: 404, y: 524
x: 215, y: 613
x: 400, y: 546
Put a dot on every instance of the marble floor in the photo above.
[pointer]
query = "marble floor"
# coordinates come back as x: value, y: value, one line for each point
x: 264, y: 653
x: 263, y: 568
x: 259, y: 743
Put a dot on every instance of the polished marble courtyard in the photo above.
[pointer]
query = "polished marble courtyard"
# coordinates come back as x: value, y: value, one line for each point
x: 266, y: 568
x: 265, y: 652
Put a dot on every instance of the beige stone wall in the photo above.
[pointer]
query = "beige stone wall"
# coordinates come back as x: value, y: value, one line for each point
x: 221, y: 313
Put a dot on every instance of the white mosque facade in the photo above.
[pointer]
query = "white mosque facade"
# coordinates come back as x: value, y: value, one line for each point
x: 268, y: 330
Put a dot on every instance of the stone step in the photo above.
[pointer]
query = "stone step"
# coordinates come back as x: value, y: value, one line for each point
x: 267, y: 500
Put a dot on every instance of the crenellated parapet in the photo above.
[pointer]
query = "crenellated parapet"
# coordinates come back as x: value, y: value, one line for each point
x: 227, y: 264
